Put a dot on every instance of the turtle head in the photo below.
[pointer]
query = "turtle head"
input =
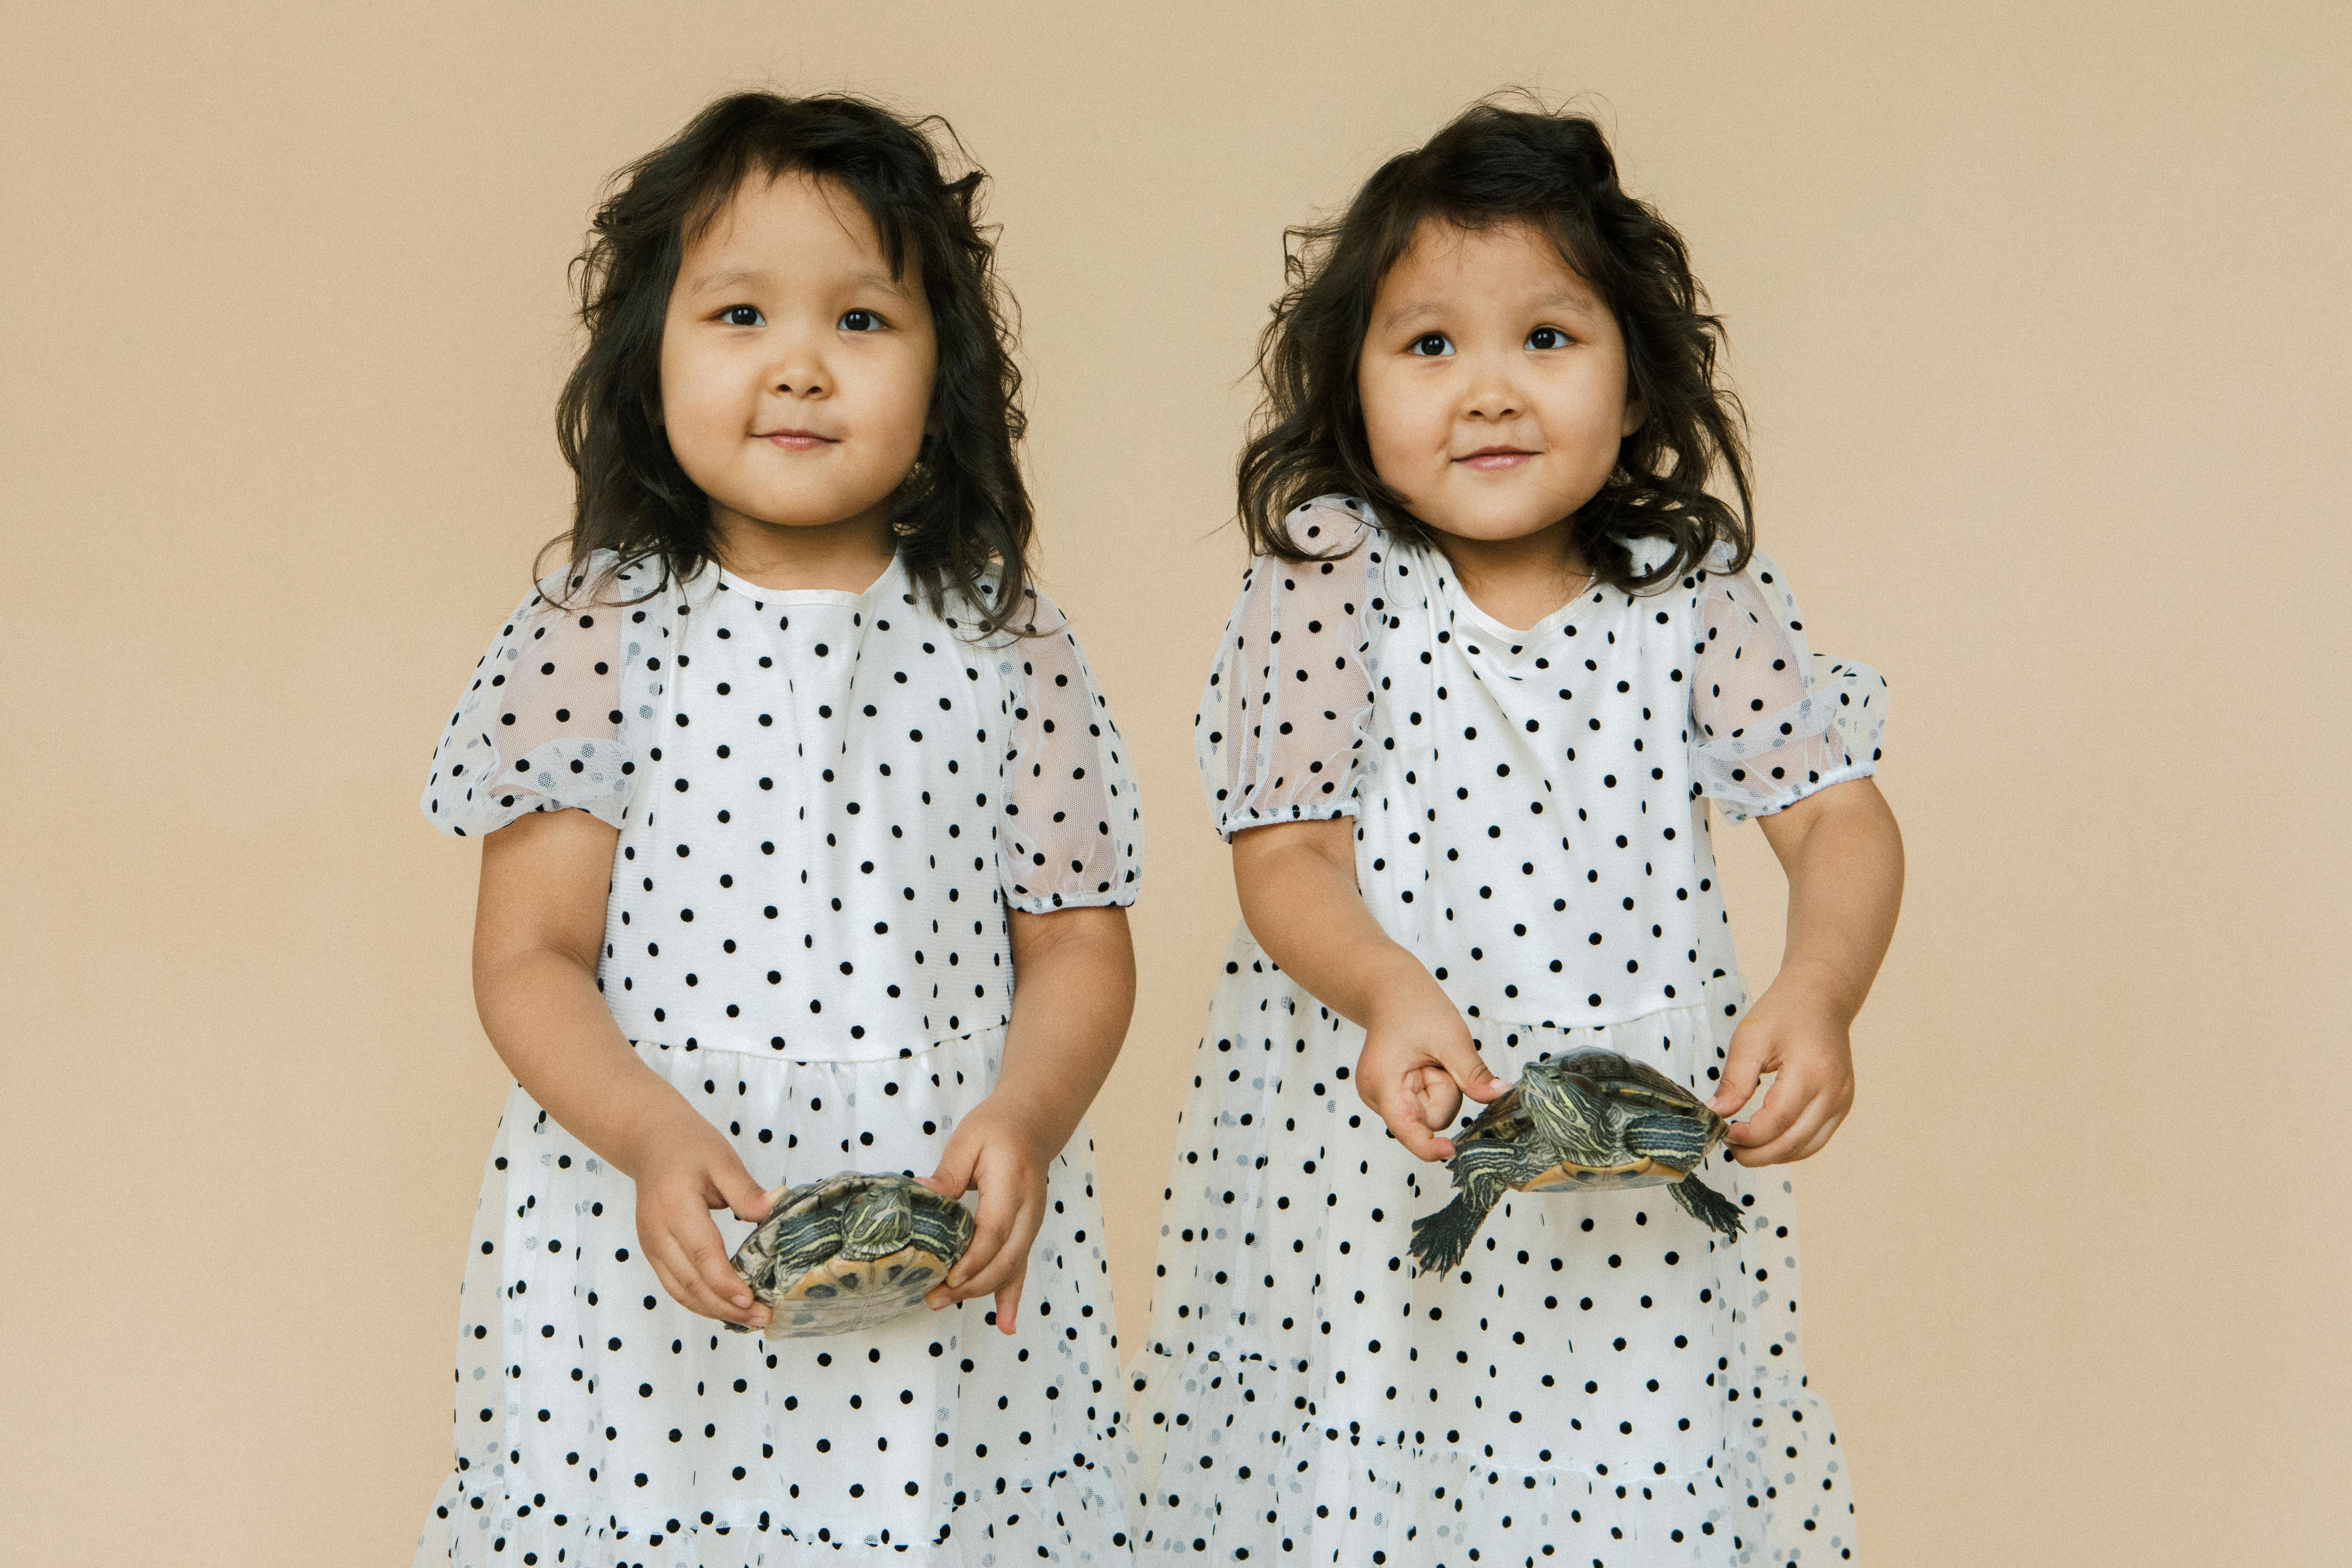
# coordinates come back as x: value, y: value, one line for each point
x: 1566, y: 1106
x: 880, y: 1222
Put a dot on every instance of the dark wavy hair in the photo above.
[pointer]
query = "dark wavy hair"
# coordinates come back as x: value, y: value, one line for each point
x: 962, y: 514
x: 1498, y: 165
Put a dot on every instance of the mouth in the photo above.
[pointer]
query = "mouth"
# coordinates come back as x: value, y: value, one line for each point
x: 1490, y: 459
x: 795, y: 440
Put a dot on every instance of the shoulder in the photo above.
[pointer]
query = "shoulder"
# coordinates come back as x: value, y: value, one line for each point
x: 1339, y: 540
x: 605, y: 581
x: 1331, y: 526
x: 1757, y: 580
x: 963, y: 610
x: 1038, y: 615
x: 1757, y: 567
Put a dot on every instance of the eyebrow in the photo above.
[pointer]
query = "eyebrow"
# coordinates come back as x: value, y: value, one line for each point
x: 1554, y: 300
x: 734, y: 277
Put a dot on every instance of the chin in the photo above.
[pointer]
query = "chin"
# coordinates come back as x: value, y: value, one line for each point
x: 1493, y: 524
x: 802, y: 511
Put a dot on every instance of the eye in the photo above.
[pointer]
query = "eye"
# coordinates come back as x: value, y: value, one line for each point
x: 742, y: 316
x: 1429, y: 345
x: 860, y: 322
x: 1547, y: 338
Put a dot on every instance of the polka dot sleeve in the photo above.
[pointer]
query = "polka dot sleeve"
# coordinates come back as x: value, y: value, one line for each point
x: 1280, y: 731
x: 1771, y: 722
x: 1072, y: 827
x: 539, y: 726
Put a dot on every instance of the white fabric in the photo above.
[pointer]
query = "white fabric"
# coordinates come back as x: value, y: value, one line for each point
x: 1604, y: 1379
x: 827, y: 803
x: 845, y: 778
x: 1566, y: 757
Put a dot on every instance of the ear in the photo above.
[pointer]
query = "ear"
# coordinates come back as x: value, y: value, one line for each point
x: 1636, y: 412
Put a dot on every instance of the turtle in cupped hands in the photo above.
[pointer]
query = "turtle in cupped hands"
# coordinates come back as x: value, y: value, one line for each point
x: 850, y: 1252
x: 1591, y: 1120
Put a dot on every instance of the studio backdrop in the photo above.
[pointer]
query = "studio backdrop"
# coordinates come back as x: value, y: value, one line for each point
x: 2039, y: 314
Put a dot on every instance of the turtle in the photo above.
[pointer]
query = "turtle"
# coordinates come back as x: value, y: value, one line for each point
x: 850, y: 1252
x: 1589, y: 1120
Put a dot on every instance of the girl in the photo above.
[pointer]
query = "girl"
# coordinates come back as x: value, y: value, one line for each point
x: 1461, y: 735
x: 784, y: 779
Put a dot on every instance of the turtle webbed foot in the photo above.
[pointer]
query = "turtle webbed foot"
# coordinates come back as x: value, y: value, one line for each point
x: 1708, y: 1206
x: 1440, y: 1240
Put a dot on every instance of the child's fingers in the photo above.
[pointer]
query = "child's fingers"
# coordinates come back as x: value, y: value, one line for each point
x: 706, y: 1255
x: 1008, y: 1297
x: 1000, y: 1210
x: 1434, y: 1088
x: 1403, y: 1110
x: 1815, y: 1117
x: 1743, y: 1065
x: 746, y: 1199
x: 1467, y: 1068
x: 953, y: 1178
x: 696, y: 1273
x: 1007, y: 1265
x: 1778, y: 1113
x: 1814, y: 1135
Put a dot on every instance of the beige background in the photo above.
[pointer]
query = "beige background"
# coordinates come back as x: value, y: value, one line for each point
x: 2040, y: 314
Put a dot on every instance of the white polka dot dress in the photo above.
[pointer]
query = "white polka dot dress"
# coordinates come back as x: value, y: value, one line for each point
x: 827, y: 803
x: 1603, y: 1381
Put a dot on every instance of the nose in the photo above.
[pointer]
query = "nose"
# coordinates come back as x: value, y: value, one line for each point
x: 1488, y: 393
x: 797, y: 367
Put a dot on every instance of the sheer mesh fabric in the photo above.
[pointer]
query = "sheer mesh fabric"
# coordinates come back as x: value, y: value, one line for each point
x: 1072, y: 831
x: 540, y: 727
x: 1280, y: 732
x: 1771, y: 722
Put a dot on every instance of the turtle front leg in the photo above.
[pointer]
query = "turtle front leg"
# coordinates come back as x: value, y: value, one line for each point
x: 1681, y: 1141
x: 1481, y: 1172
x: 1708, y: 1206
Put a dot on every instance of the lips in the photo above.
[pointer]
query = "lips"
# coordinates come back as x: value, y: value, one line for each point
x: 1494, y: 459
x: 795, y: 440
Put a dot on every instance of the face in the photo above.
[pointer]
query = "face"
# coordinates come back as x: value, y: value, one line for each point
x: 1493, y: 380
x: 795, y: 371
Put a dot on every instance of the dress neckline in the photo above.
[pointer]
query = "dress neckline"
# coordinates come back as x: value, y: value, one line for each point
x: 1516, y: 639
x: 760, y: 595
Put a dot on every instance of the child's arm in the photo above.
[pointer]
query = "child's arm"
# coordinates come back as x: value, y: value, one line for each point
x: 1843, y: 857
x: 1298, y: 887
x: 538, y: 928
x: 1072, y: 992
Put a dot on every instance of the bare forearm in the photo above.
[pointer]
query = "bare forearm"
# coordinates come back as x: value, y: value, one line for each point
x: 549, y: 1024
x: 1845, y: 865
x: 1298, y: 887
x: 1073, y: 995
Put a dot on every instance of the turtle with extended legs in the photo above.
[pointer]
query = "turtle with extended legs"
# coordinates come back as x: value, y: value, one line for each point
x: 1591, y: 1121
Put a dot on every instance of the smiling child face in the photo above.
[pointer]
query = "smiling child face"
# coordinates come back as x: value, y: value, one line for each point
x: 795, y: 371
x: 1493, y: 382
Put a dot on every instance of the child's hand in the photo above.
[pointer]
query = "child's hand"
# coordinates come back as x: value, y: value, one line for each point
x: 1799, y: 1035
x: 677, y: 1189
x: 997, y: 1151
x: 1418, y: 1062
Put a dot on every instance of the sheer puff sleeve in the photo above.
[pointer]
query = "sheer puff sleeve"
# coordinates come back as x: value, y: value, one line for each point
x: 539, y: 726
x: 1280, y: 733
x: 1073, y: 830
x: 1770, y: 723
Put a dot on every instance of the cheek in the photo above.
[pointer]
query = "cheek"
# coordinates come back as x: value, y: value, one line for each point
x: 702, y: 404
x: 1395, y: 424
x: 913, y: 393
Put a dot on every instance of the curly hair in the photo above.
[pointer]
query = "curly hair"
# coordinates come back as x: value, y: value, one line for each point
x: 963, y: 513
x: 1495, y: 165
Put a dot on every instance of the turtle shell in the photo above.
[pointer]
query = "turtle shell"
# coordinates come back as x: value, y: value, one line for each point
x: 850, y: 1252
x: 1640, y: 1086
x: 1622, y: 1077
